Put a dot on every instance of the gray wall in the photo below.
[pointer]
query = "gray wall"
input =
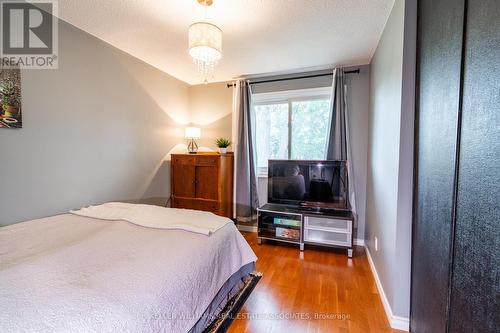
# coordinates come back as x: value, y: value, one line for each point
x: 97, y: 129
x: 390, y: 163
x: 358, y: 94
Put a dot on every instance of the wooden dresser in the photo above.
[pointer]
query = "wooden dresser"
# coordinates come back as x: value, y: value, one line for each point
x: 203, y: 181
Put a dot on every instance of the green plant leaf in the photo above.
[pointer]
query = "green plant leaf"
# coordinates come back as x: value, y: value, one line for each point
x: 222, y: 142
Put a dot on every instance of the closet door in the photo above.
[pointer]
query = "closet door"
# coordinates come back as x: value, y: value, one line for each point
x: 456, y: 238
x: 475, y: 288
x: 438, y: 97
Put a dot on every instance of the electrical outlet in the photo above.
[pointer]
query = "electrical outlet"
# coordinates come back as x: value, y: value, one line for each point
x: 376, y: 244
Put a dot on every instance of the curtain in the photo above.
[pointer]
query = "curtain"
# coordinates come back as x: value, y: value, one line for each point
x: 246, y: 197
x: 338, y: 144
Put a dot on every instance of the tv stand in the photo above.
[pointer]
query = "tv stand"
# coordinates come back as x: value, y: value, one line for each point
x: 306, y: 225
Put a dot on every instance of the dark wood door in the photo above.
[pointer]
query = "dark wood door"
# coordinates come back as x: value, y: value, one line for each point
x: 438, y: 99
x: 456, y: 239
x: 475, y: 285
x: 207, y: 182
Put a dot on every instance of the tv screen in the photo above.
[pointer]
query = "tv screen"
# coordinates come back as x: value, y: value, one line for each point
x: 321, y: 184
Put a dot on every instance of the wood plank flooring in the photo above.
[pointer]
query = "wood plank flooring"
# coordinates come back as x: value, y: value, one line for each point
x: 316, y: 291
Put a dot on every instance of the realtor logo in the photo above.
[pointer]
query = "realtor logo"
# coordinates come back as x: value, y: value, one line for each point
x: 28, y: 34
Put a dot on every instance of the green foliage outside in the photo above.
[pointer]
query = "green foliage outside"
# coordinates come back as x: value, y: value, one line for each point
x: 310, y: 123
x: 309, y: 130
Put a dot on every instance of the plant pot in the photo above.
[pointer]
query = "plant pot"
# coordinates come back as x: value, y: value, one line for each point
x: 10, y: 111
x: 223, y: 150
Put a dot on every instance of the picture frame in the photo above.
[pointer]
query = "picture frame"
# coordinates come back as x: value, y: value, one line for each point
x: 10, y: 98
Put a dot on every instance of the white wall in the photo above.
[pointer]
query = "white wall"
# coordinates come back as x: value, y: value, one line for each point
x: 96, y: 129
x: 390, y: 163
x: 210, y: 109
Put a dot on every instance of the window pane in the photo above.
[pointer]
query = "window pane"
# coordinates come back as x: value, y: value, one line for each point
x: 310, y: 129
x: 271, y: 132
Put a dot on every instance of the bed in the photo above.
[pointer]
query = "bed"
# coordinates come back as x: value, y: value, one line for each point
x: 72, y: 273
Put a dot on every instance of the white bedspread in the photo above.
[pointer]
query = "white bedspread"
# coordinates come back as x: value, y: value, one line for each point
x: 69, y: 273
x: 156, y: 217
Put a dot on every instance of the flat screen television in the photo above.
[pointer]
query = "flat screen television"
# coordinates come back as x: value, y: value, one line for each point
x: 315, y: 184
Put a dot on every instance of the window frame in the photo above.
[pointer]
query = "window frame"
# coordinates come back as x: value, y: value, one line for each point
x: 288, y: 97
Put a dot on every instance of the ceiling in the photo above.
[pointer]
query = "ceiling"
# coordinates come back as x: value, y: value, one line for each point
x: 259, y: 36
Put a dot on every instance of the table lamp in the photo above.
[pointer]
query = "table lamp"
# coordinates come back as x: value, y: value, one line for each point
x: 192, y: 133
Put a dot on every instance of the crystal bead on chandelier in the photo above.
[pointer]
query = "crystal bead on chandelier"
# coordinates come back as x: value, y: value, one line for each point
x: 205, y: 44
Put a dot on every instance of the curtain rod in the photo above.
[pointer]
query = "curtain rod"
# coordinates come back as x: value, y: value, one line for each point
x: 354, y: 71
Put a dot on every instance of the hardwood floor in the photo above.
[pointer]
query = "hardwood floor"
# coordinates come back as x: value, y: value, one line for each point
x: 316, y: 282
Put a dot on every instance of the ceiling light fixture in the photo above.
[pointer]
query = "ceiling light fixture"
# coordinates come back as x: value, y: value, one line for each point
x: 205, y: 44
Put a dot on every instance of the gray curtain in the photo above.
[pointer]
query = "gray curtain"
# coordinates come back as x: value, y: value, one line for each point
x: 247, y: 200
x: 338, y: 144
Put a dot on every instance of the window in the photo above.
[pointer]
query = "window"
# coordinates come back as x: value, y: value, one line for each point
x: 291, y: 125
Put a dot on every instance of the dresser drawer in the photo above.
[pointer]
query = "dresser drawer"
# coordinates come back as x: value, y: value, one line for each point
x: 327, y: 224
x: 327, y: 237
x: 205, y: 205
x: 182, y: 203
x: 183, y: 160
x: 206, y: 160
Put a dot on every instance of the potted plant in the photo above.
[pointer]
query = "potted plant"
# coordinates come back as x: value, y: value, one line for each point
x: 10, y: 98
x: 223, y: 143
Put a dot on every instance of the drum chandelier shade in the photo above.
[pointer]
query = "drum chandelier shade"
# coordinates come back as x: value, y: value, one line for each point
x: 205, y: 44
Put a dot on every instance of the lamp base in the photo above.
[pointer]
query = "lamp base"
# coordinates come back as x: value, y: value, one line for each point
x: 192, y: 147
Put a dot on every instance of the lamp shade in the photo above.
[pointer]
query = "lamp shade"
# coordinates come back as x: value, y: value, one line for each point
x: 192, y: 132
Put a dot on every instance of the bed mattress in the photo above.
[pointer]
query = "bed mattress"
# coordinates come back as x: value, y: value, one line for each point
x: 69, y: 273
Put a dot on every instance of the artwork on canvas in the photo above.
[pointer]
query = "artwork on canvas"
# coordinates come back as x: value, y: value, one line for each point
x: 10, y: 98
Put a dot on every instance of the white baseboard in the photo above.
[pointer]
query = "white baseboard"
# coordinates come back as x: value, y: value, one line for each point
x: 247, y: 228
x: 396, y: 322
